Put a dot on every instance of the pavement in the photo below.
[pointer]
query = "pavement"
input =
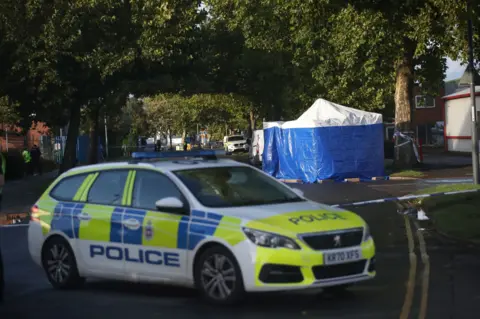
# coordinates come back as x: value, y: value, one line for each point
x: 420, y: 275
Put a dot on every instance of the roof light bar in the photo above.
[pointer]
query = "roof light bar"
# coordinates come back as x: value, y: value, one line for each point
x: 205, y: 154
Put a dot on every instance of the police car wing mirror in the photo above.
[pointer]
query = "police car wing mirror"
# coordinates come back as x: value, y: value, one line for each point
x: 170, y: 204
x: 298, y: 192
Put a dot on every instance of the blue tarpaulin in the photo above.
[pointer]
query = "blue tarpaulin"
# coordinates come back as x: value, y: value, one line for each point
x: 329, y: 141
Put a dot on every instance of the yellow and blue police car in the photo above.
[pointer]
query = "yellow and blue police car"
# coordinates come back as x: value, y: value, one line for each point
x: 221, y: 226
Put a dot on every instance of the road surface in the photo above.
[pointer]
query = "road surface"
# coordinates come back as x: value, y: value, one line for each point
x: 419, y: 276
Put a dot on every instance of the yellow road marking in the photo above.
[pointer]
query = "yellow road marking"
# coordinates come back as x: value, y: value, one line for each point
x: 425, y: 275
x: 407, y: 303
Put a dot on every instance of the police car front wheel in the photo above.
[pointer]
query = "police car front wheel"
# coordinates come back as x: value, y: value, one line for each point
x: 60, y: 265
x: 218, y: 276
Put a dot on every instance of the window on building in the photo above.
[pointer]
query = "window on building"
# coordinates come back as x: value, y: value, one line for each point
x: 424, y: 102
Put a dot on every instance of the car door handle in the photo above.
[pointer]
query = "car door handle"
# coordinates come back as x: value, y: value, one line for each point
x: 84, y: 216
x: 131, y: 223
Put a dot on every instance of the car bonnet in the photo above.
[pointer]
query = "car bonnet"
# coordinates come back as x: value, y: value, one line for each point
x: 294, y: 218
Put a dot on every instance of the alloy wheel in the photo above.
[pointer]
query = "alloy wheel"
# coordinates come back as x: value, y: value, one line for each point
x: 218, y: 277
x: 58, y: 263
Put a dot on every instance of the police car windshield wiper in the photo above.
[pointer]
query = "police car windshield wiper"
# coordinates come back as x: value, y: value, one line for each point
x: 275, y: 201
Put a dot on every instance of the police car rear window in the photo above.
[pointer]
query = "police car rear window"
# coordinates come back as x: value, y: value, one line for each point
x: 68, y: 187
x: 108, y: 188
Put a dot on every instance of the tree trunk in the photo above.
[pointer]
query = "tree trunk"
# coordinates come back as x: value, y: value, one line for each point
x: 70, y: 154
x: 170, y: 139
x: 251, y: 123
x: 404, y: 155
x: 94, y: 133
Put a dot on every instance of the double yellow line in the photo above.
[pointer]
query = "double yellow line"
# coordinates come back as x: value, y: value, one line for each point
x: 412, y: 274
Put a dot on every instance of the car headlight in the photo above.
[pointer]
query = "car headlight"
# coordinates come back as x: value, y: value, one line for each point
x: 366, y: 233
x: 270, y: 240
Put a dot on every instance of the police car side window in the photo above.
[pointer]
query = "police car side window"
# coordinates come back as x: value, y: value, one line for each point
x: 150, y: 187
x: 108, y: 188
x: 68, y: 187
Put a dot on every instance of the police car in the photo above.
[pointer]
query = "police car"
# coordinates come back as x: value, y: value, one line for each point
x: 221, y: 226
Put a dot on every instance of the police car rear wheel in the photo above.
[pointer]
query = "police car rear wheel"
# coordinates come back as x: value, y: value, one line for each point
x: 218, y: 276
x: 60, y: 265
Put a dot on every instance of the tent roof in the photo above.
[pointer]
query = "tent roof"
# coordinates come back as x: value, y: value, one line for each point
x: 324, y: 113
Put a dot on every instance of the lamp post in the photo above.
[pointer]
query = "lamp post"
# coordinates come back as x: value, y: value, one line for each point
x: 472, y: 98
x: 470, y: 78
x: 106, y: 134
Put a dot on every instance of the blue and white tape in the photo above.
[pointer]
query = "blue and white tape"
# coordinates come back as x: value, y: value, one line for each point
x: 402, y: 198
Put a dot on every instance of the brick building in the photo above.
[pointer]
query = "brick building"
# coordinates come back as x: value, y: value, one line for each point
x: 12, y: 138
x: 428, y: 117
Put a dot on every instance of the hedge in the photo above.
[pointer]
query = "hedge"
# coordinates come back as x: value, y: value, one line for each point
x: 15, y: 167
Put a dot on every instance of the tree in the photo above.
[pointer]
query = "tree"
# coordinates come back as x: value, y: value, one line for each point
x: 178, y: 114
x: 8, y: 111
x: 72, y: 55
x: 268, y: 79
x: 366, y: 54
x: 217, y: 111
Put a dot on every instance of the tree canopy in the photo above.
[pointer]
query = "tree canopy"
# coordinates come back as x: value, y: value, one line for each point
x: 219, y: 63
x: 367, y: 54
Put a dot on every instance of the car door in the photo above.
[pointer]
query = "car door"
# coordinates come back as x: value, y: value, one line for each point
x: 156, y: 240
x: 64, y: 202
x: 99, y: 226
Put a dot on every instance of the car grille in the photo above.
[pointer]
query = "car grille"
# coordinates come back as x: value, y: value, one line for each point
x: 340, y: 270
x: 274, y: 274
x: 239, y: 144
x: 334, y: 240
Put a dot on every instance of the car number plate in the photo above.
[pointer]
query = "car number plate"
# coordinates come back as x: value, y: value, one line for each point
x: 343, y: 256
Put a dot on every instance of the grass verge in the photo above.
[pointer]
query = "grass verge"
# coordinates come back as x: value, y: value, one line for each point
x: 457, y: 216
x: 408, y: 173
x: 394, y: 172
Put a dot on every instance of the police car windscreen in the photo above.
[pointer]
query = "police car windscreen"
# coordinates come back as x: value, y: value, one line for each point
x: 235, y: 138
x: 234, y: 187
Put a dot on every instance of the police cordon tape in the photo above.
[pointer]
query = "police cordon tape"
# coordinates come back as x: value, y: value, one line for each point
x: 402, y: 198
x: 17, y: 223
x: 349, y: 180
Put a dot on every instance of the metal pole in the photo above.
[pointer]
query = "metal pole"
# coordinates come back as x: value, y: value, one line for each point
x: 6, y: 137
x: 106, y: 135
x: 475, y: 162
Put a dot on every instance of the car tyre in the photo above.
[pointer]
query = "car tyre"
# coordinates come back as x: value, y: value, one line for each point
x: 60, y: 264
x: 218, y: 277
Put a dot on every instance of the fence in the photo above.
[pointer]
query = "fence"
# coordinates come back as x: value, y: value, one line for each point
x: 53, y: 147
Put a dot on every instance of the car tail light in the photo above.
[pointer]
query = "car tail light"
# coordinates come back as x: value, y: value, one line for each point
x: 34, y: 213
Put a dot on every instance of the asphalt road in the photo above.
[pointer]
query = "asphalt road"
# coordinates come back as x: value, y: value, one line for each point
x: 436, y: 280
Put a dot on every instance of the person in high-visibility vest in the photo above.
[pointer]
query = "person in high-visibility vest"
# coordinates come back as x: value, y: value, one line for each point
x: 27, y: 159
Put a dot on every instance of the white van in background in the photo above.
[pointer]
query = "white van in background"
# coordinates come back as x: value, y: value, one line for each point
x: 256, y: 150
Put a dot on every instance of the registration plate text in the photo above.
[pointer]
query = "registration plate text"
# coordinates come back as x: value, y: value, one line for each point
x: 344, y: 256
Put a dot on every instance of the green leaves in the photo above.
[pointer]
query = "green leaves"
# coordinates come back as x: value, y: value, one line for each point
x: 183, y: 113
x: 8, y: 111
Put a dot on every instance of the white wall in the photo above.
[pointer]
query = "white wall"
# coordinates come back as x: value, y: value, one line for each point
x: 459, y: 123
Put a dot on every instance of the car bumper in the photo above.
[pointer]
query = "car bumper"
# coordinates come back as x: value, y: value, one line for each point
x: 238, y: 149
x: 35, y: 241
x: 267, y: 269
